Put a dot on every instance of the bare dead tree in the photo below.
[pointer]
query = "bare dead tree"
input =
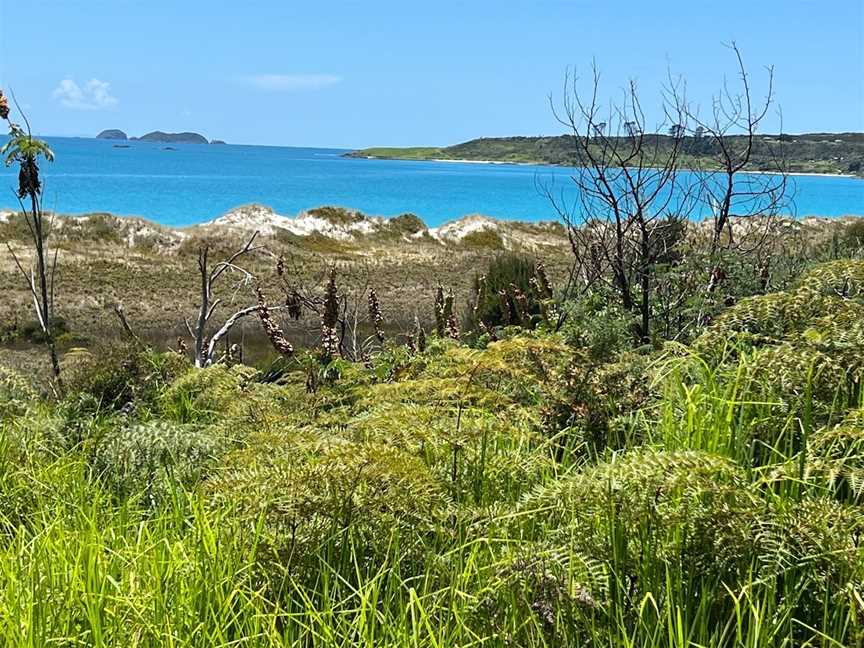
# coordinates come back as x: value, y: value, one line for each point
x: 120, y: 312
x: 730, y: 135
x: 25, y: 151
x: 629, y: 195
x: 204, y: 347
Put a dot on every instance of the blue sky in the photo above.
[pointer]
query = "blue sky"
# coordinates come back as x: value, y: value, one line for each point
x: 352, y: 74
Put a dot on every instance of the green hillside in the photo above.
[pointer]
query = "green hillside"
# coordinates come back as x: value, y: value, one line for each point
x: 807, y: 153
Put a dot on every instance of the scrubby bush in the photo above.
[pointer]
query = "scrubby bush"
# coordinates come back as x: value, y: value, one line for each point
x: 31, y: 331
x: 119, y: 377
x: 557, y: 595
x: 504, y: 272
x: 594, y: 399
x: 16, y: 394
x: 844, y: 278
x: 101, y: 228
x: 852, y: 236
x: 14, y: 228
x: 483, y: 239
x: 322, y: 500
x: 835, y: 458
x: 645, y: 523
x: 812, y: 554
x: 407, y: 224
x: 206, y: 394
x: 690, y: 511
x: 598, y: 325
x: 155, y: 457
x: 337, y: 215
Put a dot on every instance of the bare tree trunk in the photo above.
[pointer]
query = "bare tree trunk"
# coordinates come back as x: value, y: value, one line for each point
x: 645, y: 283
x: 201, y: 325
x: 45, y: 296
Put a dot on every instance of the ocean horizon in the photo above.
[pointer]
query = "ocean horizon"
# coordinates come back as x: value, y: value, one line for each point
x: 181, y: 185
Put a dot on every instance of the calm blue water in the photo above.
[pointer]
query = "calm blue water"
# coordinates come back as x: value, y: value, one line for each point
x: 196, y: 183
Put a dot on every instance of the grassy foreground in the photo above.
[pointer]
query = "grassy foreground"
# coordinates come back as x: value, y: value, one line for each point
x: 531, y: 491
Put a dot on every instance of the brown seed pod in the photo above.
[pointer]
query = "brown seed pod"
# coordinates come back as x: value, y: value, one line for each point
x: 294, y: 303
x: 330, y: 316
x: 420, y: 337
x: 452, y: 325
x: 28, y: 178
x: 375, y: 316
x: 541, y: 282
x: 440, y: 316
x: 4, y: 106
x: 274, y: 333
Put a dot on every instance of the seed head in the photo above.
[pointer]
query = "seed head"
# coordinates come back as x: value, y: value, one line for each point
x: 330, y: 316
x: 375, y: 316
x: 274, y: 333
x: 294, y: 303
x: 28, y: 178
x: 440, y: 316
x: 520, y: 301
x: 541, y: 282
x: 452, y: 323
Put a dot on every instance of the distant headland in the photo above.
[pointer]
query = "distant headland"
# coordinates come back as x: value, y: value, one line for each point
x: 158, y: 136
x: 807, y: 153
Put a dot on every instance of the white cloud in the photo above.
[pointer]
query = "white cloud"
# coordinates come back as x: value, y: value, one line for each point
x: 94, y: 95
x: 292, y: 82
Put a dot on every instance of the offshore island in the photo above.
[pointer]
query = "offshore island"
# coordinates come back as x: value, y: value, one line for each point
x: 158, y: 136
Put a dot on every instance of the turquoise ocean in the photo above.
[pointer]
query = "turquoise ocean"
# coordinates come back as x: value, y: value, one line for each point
x: 196, y: 183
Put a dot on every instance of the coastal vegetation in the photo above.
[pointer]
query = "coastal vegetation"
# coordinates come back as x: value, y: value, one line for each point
x: 526, y: 483
x: 626, y: 428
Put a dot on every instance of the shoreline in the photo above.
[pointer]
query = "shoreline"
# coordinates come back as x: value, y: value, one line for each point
x: 498, y: 162
x: 814, y: 174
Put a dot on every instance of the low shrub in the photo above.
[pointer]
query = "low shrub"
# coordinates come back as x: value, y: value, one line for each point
x: 812, y: 555
x: 690, y: 511
x: 483, y: 239
x: 16, y: 394
x: 100, y: 228
x: 321, y: 500
x: 336, y: 215
x: 407, y: 224
x: 119, y: 377
x: 155, y: 457
x: 504, y: 272
x: 835, y: 458
x: 204, y: 395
